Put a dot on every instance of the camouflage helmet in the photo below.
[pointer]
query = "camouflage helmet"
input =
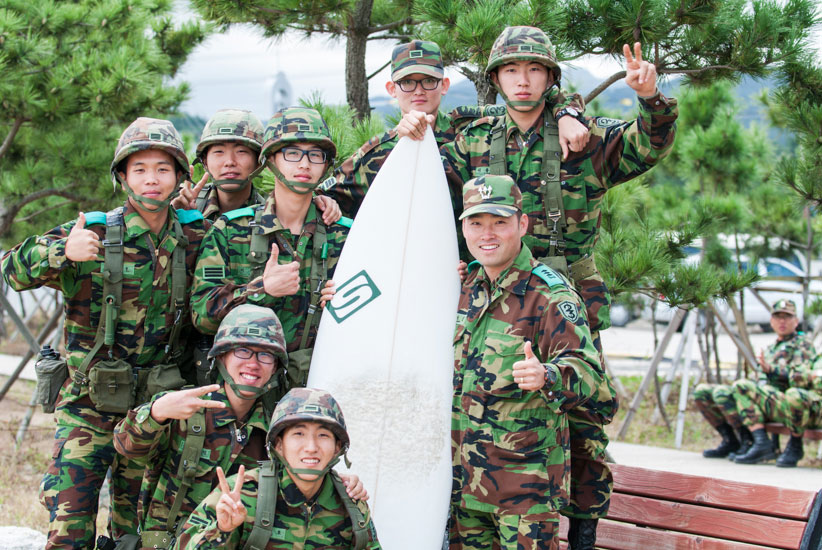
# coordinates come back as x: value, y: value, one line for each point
x: 250, y: 325
x: 417, y: 56
x: 237, y: 125
x: 523, y: 43
x: 296, y: 125
x: 308, y: 405
x: 150, y: 133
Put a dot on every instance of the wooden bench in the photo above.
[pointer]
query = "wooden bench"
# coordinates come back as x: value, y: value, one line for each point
x: 777, y: 428
x: 654, y: 510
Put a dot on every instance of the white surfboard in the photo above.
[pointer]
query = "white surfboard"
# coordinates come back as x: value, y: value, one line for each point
x: 384, y: 347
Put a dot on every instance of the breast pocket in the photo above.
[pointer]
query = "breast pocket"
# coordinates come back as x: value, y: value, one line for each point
x: 495, y: 376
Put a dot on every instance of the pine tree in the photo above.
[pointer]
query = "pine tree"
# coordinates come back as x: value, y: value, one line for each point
x: 703, y: 40
x: 74, y: 74
x: 358, y: 21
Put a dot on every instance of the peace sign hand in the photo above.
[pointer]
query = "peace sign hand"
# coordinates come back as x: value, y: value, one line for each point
x: 182, y: 404
x: 230, y: 510
x: 640, y: 75
x: 187, y: 199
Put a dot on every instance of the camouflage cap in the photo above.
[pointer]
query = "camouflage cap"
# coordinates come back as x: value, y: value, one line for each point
x: 150, y: 133
x: 784, y: 306
x: 250, y: 325
x: 237, y: 125
x: 308, y: 405
x: 417, y: 56
x: 523, y: 43
x: 498, y: 195
x: 296, y: 125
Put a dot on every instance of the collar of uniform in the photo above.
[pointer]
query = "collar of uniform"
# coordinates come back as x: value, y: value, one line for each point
x: 136, y: 225
x: 511, y: 127
x: 225, y: 416
x: 792, y: 336
x: 515, y: 277
x: 271, y: 224
x: 295, y: 498
x: 442, y: 124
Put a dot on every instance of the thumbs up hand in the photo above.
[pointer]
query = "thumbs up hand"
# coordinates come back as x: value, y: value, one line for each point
x: 82, y: 244
x: 280, y: 280
x: 529, y: 374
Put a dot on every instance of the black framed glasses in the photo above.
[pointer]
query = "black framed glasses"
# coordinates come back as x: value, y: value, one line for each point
x: 263, y: 357
x: 410, y: 84
x: 295, y: 154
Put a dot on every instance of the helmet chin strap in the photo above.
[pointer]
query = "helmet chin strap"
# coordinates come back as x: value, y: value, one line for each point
x: 151, y: 205
x: 523, y: 106
x: 300, y: 472
x: 299, y: 187
x: 238, y: 388
x: 233, y: 185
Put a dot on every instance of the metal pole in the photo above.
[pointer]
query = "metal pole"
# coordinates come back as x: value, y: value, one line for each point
x: 658, y: 355
x: 29, y: 354
x: 683, y: 389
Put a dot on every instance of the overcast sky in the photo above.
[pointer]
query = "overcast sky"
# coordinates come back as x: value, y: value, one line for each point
x: 238, y: 68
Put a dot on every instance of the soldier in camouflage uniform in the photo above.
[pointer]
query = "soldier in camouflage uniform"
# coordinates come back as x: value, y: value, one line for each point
x: 800, y: 410
x: 307, y: 437
x: 523, y: 358
x: 418, y: 83
x: 229, y: 150
x: 110, y: 347
x: 761, y: 401
x: 562, y: 197
x: 249, y: 353
x: 717, y: 404
x: 280, y: 254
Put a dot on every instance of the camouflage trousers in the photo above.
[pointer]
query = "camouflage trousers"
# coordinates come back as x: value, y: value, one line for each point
x: 475, y: 530
x: 717, y: 404
x: 757, y: 404
x: 591, y: 479
x: 71, y: 487
x: 802, y: 410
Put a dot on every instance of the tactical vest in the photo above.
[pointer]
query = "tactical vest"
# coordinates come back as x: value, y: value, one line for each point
x: 550, y: 186
x: 267, y: 506
x: 112, y: 271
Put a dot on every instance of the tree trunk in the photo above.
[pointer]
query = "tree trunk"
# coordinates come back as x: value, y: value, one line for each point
x: 356, y: 79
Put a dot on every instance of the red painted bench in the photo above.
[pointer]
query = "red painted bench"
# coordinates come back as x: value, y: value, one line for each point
x: 657, y: 510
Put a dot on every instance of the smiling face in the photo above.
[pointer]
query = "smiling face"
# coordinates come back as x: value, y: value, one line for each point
x: 523, y: 80
x: 307, y: 445
x: 150, y: 174
x: 494, y: 240
x: 427, y: 101
x: 247, y: 372
x: 230, y: 161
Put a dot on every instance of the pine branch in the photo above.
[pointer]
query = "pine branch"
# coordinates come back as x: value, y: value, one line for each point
x: 604, y: 85
x: 375, y: 73
x: 393, y: 25
x: 15, y: 127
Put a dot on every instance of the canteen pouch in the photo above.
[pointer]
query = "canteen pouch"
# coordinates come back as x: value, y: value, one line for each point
x: 298, y: 363
x: 51, y: 374
x: 202, y: 364
x: 111, y: 386
x: 165, y: 376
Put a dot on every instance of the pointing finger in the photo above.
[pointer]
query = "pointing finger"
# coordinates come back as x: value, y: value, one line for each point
x: 626, y: 51
x: 209, y: 404
x: 240, y: 480
x: 638, y: 52
x: 197, y: 392
x: 200, y: 184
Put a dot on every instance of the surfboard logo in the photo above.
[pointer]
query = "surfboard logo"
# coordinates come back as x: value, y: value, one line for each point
x: 353, y: 295
x: 569, y: 311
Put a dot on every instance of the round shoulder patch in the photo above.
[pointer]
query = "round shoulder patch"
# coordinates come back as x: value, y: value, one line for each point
x: 570, y: 311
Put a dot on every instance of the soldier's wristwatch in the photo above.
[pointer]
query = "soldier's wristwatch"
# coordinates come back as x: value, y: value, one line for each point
x: 550, y: 376
x: 569, y: 111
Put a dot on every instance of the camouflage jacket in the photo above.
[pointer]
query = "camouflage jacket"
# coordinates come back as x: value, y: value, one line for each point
x: 786, y: 356
x: 222, y: 279
x: 809, y: 377
x: 511, y: 447
x: 353, y: 178
x: 229, y: 443
x: 298, y: 524
x: 211, y: 207
x: 617, y: 151
x: 146, y: 314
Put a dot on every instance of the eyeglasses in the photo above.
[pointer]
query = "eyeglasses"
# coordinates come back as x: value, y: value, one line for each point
x: 294, y: 154
x: 410, y: 84
x: 263, y: 357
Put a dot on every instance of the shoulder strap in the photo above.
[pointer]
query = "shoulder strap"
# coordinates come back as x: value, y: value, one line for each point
x: 188, y: 216
x: 112, y: 293
x: 319, y: 274
x: 178, y: 290
x: 239, y: 213
x: 496, y: 162
x: 95, y: 218
x: 358, y: 523
x: 266, y: 508
x: 192, y: 449
x: 549, y: 276
x: 551, y: 187
x: 202, y: 198
x: 345, y: 222
x: 258, y: 254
